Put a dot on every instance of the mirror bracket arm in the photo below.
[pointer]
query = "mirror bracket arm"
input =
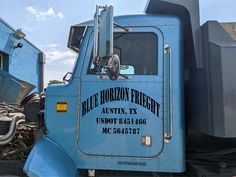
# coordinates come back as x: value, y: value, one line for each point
x: 124, y: 28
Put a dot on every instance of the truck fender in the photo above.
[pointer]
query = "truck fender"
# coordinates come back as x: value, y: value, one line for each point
x: 49, y: 159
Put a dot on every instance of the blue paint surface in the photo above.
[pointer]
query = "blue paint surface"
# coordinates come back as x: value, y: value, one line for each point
x: 48, y: 159
x: 80, y: 135
x: 22, y: 63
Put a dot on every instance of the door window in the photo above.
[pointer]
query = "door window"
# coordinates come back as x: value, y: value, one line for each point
x: 137, y: 52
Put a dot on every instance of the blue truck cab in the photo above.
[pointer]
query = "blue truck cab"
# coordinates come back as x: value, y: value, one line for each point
x: 133, y: 123
x: 146, y: 91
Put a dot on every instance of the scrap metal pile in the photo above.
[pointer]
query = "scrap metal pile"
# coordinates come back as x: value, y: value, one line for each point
x: 16, y: 136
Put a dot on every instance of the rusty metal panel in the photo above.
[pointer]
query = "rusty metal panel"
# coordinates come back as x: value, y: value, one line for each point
x: 230, y: 28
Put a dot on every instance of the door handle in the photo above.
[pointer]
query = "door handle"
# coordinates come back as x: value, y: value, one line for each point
x: 168, y: 135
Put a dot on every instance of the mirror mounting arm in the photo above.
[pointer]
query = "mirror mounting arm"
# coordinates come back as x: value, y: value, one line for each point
x: 126, y: 29
x: 96, y: 18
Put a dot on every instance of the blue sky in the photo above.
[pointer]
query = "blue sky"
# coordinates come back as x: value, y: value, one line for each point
x: 46, y: 23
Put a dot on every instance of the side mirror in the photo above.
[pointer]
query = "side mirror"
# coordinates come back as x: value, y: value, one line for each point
x: 103, y: 42
x: 113, y: 69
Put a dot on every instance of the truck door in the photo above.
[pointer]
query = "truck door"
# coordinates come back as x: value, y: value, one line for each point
x: 124, y: 118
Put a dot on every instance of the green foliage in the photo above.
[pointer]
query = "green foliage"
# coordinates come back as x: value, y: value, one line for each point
x: 55, y: 82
